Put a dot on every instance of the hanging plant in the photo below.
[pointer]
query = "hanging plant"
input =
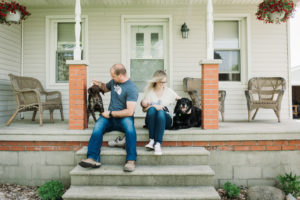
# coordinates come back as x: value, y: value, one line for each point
x: 12, y: 12
x: 275, y: 11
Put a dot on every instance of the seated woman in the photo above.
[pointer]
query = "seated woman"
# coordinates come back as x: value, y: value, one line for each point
x: 157, y: 98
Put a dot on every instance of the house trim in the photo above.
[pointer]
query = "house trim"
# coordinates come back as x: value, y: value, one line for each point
x: 50, y: 72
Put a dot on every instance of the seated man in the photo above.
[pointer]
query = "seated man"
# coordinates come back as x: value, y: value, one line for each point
x: 124, y: 95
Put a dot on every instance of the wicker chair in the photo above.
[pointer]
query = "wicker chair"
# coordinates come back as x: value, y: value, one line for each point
x: 31, y: 96
x: 193, y: 87
x: 265, y: 92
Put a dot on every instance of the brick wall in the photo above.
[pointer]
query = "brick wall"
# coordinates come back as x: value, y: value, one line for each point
x: 255, y: 145
x: 77, y: 97
x: 210, y: 95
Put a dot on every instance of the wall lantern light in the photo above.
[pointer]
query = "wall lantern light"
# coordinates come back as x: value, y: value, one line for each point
x: 185, y: 31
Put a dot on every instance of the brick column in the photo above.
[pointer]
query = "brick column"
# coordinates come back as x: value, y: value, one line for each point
x: 210, y: 93
x: 77, y: 94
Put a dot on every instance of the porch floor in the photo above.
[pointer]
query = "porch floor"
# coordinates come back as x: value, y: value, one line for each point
x: 26, y: 130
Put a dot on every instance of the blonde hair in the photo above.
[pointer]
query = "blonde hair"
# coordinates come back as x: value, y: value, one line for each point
x: 158, y: 76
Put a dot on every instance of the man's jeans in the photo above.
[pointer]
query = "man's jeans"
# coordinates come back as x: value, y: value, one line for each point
x: 104, y: 125
x: 157, y: 121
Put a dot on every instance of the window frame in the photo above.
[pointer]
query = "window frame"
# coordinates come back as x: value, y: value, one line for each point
x: 244, y: 47
x: 51, y: 46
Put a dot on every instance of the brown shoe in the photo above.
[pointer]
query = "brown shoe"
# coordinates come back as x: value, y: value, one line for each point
x: 129, y: 166
x: 89, y: 163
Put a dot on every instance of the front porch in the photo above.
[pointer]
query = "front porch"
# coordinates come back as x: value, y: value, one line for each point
x: 240, y: 152
x: 257, y: 130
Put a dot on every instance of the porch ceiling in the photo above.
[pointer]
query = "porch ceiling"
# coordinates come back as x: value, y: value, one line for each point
x: 130, y: 3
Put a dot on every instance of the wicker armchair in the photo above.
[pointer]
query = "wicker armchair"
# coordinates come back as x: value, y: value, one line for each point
x: 31, y: 96
x: 265, y: 92
x: 193, y: 87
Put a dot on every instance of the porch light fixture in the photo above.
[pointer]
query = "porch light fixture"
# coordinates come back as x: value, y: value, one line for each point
x: 185, y: 31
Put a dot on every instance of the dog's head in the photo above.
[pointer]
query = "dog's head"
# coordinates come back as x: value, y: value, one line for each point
x: 94, y: 92
x: 183, y: 106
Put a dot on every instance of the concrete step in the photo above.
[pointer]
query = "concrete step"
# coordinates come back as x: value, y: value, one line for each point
x: 171, y: 156
x: 141, y: 193
x: 164, y: 175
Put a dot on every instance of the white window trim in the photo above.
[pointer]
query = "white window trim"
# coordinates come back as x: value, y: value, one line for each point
x: 245, y: 50
x: 144, y: 19
x: 50, y: 58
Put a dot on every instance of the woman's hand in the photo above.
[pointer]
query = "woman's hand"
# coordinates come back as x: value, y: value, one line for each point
x: 158, y: 107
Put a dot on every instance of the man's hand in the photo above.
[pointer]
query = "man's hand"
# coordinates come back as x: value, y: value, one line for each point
x: 96, y: 82
x: 106, y: 114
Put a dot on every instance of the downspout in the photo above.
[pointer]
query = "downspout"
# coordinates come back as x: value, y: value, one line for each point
x: 22, y: 57
x: 288, y: 27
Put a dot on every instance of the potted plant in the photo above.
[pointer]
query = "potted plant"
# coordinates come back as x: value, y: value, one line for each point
x: 12, y: 12
x: 275, y: 11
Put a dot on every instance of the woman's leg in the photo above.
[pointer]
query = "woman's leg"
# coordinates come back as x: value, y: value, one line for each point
x: 150, y: 121
x: 163, y: 121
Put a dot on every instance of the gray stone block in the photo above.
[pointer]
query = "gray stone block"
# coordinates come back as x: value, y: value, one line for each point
x: 17, y: 172
x: 8, y: 158
x: 245, y: 172
x: 45, y: 172
x: 65, y: 172
x: 272, y: 172
x: 228, y: 158
x: 32, y: 158
x: 223, y: 172
x: 60, y: 158
x: 254, y: 182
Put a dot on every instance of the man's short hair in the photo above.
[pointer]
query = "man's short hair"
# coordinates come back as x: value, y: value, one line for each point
x: 119, y: 69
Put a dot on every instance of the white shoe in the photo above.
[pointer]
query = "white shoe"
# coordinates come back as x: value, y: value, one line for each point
x: 118, y: 142
x: 150, y: 145
x: 157, y: 149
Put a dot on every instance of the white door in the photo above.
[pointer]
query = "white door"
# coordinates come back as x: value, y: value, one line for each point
x: 147, y: 53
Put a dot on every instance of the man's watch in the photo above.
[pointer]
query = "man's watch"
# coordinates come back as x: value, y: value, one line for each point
x: 110, y: 114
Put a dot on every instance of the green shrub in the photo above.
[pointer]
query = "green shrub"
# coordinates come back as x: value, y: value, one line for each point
x: 289, y: 184
x: 232, y: 191
x: 52, y: 190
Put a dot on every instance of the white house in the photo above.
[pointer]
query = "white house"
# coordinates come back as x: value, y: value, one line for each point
x: 145, y: 35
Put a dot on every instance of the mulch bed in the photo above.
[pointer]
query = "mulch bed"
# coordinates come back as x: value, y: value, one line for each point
x: 18, y: 192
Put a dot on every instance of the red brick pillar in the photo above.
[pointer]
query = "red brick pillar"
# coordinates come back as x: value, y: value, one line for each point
x: 210, y: 93
x: 77, y: 94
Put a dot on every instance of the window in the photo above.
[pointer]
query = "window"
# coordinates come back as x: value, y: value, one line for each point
x: 227, y: 46
x: 147, y: 53
x: 64, y: 50
x: 60, y: 35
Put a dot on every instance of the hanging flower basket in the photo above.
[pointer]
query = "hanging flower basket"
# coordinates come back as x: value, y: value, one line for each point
x: 12, y: 12
x: 275, y: 11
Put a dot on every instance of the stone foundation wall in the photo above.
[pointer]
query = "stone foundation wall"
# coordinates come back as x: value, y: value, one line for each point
x: 241, y: 162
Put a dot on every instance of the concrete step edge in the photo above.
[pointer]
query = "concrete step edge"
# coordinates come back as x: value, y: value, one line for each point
x: 201, y: 151
x: 141, y: 192
x: 141, y: 170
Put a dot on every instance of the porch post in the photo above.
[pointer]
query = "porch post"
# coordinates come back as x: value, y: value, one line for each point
x: 77, y: 49
x: 77, y: 80
x: 210, y: 77
x: 77, y: 94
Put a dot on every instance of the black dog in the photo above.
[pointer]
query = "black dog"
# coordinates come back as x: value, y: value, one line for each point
x: 186, y: 115
x: 95, y: 103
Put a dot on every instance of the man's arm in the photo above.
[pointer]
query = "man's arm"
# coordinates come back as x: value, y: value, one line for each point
x: 129, y: 111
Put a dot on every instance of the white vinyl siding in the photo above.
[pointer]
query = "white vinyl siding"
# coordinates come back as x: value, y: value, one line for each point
x: 10, y: 62
x: 267, y: 46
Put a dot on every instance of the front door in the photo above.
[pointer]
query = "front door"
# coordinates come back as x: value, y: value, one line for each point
x: 146, y: 53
